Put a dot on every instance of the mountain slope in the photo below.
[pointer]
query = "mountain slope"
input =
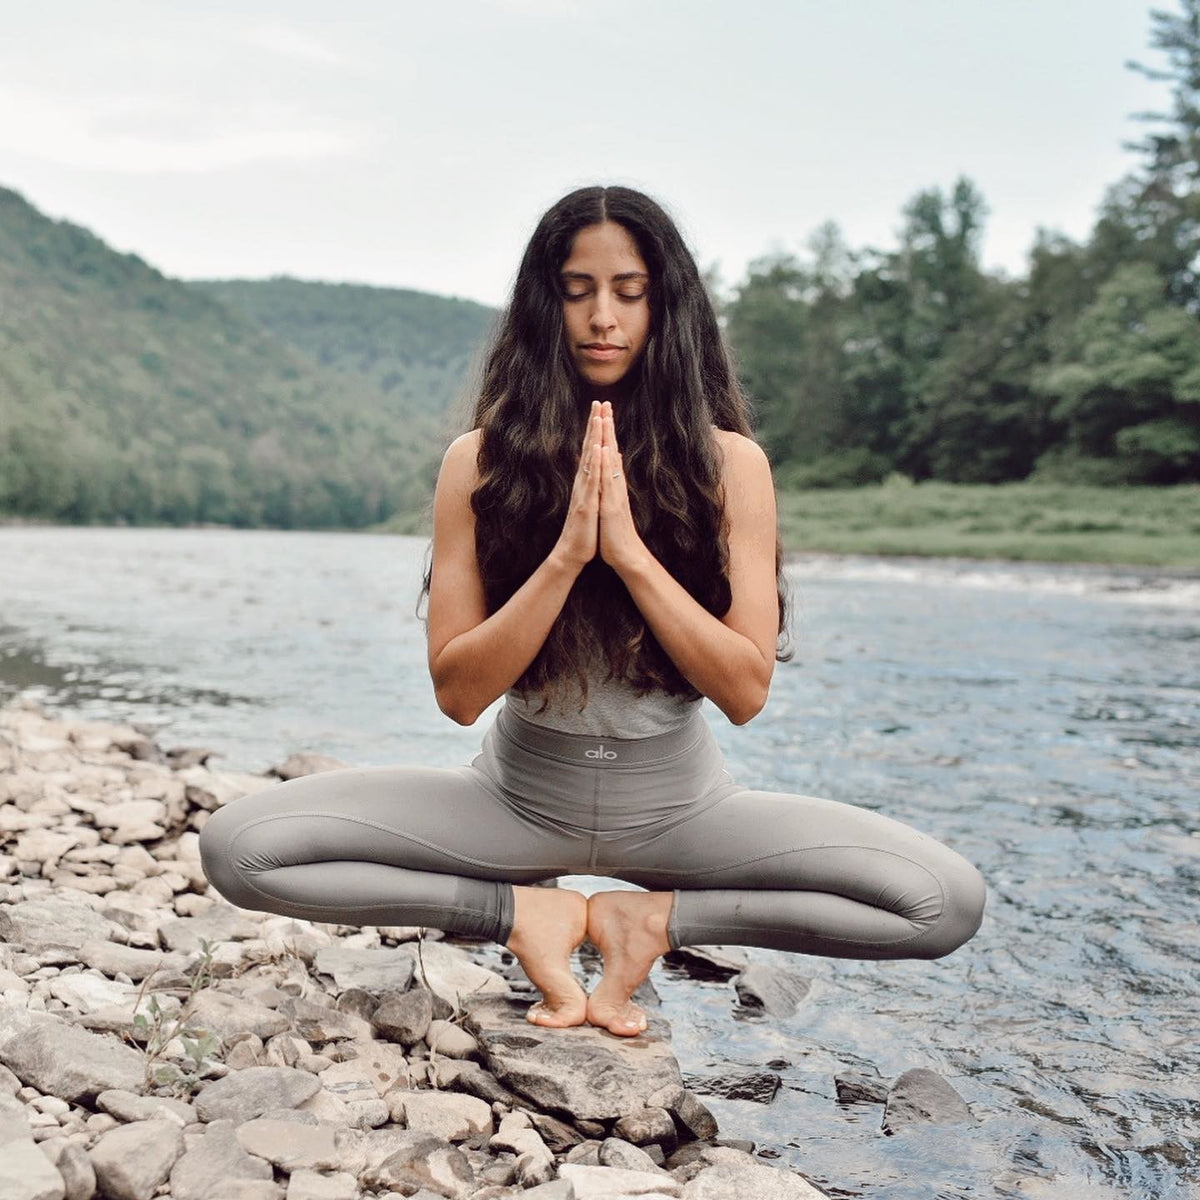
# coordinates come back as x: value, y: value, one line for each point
x: 126, y: 395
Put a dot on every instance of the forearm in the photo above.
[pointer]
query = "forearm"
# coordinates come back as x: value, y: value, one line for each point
x: 724, y: 665
x: 481, y: 664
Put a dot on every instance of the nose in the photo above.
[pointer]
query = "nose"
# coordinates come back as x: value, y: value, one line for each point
x: 602, y: 317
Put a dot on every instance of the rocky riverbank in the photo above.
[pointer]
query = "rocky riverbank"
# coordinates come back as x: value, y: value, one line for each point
x: 156, y: 1041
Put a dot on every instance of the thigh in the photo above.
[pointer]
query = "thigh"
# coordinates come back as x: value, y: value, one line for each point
x: 444, y: 819
x: 775, y: 840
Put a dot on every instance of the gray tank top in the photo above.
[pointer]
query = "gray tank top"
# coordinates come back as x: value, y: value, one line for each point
x: 613, y: 709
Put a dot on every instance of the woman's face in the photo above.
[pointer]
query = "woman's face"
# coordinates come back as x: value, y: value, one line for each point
x: 606, y: 305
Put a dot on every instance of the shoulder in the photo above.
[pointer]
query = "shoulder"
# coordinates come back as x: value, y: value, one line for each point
x: 460, y: 463
x: 743, y: 457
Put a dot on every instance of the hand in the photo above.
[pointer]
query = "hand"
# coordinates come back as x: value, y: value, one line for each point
x: 621, y: 545
x: 579, y: 538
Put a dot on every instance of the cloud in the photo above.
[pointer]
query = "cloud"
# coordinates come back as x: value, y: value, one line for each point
x: 288, y: 42
x: 145, y: 134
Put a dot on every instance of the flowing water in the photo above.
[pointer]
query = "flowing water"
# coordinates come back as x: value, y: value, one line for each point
x: 1044, y: 721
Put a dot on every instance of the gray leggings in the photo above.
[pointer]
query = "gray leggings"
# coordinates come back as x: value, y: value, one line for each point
x: 442, y: 847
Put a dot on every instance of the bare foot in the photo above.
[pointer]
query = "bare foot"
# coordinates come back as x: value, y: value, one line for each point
x: 549, y: 924
x: 630, y: 931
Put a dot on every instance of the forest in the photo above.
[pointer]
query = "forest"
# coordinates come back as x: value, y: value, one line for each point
x: 129, y: 397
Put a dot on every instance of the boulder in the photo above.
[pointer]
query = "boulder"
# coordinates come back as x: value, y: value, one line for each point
x: 921, y: 1096
x: 215, y: 1159
x: 772, y: 990
x: 132, y: 1160
x: 62, y: 1060
x: 244, y: 1095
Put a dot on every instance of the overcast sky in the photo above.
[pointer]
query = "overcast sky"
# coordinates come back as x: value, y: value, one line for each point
x: 416, y: 144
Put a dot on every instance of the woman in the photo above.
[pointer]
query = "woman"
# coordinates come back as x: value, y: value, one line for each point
x: 605, y: 555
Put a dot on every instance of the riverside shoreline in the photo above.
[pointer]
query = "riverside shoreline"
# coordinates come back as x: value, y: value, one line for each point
x: 157, y: 1041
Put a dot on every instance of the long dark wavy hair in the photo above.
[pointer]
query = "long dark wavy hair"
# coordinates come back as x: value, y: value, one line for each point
x: 531, y: 410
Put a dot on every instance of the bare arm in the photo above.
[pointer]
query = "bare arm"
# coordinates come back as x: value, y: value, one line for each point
x: 730, y: 659
x: 474, y: 657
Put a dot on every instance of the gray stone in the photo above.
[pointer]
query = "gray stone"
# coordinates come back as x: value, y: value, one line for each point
x: 377, y: 971
x: 131, y: 1161
x: 225, y: 1016
x: 735, y: 1180
x: 558, y: 1135
x: 855, y: 1088
x: 299, y: 764
x: 126, y: 1106
x: 244, y: 1095
x: 222, y: 923
x: 382, y: 1063
x: 650, y: 1126
x: 772, y: 990
x: 289, y: 1145
x: 317, y: 1024
x: 582, y: 1071
x: 448, y: 1115
x: 63, y: 1060
x: 215, y: 1159
x: 593, y: 1182
x: 921, y: 1096
x: 404, y: 1017
x: 358, y: 1003
x: 759, y: 1086
x: 616, y: 1152
x: 452, y: 974
x: 708, y: 962
x: 25, y: 1172
x: 78, y: 1174
x: 308, y: 1185
x: 423, y: 1160
x: 556, y: 1189
x: 55, y: 923
x: 86, y: 992
x: 444, y: 1037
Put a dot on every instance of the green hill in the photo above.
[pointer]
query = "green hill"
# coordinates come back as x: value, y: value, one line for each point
x: 128, y: 396
x: 416, y: 348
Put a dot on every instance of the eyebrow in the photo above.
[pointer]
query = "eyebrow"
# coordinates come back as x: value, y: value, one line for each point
x: 616, y: 278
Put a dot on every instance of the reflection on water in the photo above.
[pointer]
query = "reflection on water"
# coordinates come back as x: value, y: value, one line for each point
x: 1042, y: 721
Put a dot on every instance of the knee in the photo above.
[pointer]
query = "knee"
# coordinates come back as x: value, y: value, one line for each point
x: 217, y: 857
x: 965, y: 895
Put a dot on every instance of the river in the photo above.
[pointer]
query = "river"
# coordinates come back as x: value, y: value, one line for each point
x: 1044, y: 721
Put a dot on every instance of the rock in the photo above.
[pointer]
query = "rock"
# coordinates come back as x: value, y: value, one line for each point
x: 451, y: 1116
x: 855, y: 1088
x: 225, y: 1016
x: 771, y: 989
x: 444, y: 1037
x: 590, y: 1182
x: 451, y: 973
x: 127, y: 960
x: 308, y: 1185
x: 693, y: 1122
x: 78, y: 1174
x: 25, y: 1172
x: 358, y: 1003
x: 708, y: 962
x: 404, y: 1017
x: 582, y: 1071
x: 420, y: 1159
x: 616, y: 1152
x: 738, y: 1176
x: 466, y: 1076
x: 126, y: 1106
x: 383, y: 1064
x: 290, y: 1145
x: 62, y: 1060
x: 215, y: 1159
x: 921, y: 1096
x: 558, y: 1135
x: 556, y: 1189
x: 377, y: 971
x: 222, y: 923
x: 317, y: 1024
x: 296, y: 765
x: 55, y: 923
x: 244, y: 1095
x: 131, y: 1161
x: 759, y: 1086
x: 86, y: 992
x: 650, y: 1126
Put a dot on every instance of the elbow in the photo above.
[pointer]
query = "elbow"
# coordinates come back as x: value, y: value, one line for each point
x: 745, y: 707
x: 456, y: 708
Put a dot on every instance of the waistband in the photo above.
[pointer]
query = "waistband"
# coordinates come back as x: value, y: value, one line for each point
x: 591, y: 751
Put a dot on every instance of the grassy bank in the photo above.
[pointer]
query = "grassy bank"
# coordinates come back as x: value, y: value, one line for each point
x: 1157, y: 527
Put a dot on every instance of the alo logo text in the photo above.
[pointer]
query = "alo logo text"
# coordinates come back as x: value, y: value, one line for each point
x: 600, y: 752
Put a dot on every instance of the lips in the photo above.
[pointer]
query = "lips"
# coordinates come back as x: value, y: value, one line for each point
x: 601, y: 351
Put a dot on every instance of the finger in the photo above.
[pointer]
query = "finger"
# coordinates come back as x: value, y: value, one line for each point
x: 610, y: 427
x: 596, y: 468
x: 591, y: 431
